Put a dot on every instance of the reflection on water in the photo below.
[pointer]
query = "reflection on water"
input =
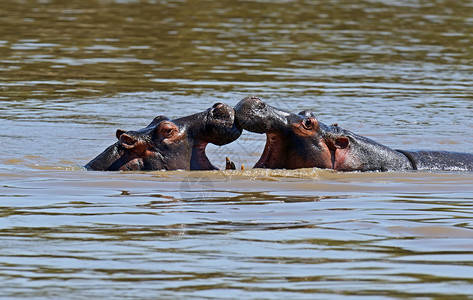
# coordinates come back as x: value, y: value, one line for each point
x: 71, y: 73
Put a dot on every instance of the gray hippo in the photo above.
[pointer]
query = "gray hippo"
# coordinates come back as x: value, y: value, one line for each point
x: 301, y: 141
x: 170, y: 144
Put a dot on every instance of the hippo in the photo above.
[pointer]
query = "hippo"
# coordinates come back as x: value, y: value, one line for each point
x: 301, y: 141
x: 170, y: 144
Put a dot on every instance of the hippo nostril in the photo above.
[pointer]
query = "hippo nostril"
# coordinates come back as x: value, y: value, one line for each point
x: 255, y: 102
x: 259, y: 104
x: 220, y: 114
x: 220, y: 111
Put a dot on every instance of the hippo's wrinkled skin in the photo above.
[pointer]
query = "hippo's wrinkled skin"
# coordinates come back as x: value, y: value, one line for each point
x: 170, y: 144
x: 300, y: 141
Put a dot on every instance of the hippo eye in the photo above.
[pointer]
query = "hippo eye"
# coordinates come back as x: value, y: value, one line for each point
x: 165, y: 130
x: 168, y: 132
x: 307, y: 123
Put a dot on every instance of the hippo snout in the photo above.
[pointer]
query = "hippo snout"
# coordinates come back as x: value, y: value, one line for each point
x: 222, y: 111
x: 256, y: 116
x: 250, y: 104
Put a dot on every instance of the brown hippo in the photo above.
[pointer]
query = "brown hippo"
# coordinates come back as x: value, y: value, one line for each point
x: 301, y: 141
x: 170, y: 144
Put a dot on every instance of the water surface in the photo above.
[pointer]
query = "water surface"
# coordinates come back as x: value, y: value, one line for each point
x: 72, y: 73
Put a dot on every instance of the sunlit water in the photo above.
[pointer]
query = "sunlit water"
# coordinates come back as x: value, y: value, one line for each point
x: 71, y: 73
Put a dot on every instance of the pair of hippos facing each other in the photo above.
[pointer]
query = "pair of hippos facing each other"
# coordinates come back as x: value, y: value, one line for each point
x: 293, y: 141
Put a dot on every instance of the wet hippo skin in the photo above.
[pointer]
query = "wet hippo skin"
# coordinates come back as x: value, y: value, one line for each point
x: 301, y: 141
x: 170, y: 144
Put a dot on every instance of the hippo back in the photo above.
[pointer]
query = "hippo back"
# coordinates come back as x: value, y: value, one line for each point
x: 440, y: 160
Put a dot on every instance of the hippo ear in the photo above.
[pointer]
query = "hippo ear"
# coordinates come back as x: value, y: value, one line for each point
x: 128, y: 141
x: 119, y: 133
x: 342, y: 142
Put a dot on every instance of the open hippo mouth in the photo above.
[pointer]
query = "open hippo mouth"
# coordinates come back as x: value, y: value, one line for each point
x: 292, y: 140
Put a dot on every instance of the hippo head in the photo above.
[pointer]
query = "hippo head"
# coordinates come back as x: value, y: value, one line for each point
x: 301, y: 141
x: 293, y: 140
x: 170, y: 144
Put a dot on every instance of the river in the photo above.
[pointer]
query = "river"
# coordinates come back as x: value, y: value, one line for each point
x: 73, y: 72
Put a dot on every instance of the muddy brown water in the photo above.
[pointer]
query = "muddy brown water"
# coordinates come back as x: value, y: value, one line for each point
x: 72, y: 72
